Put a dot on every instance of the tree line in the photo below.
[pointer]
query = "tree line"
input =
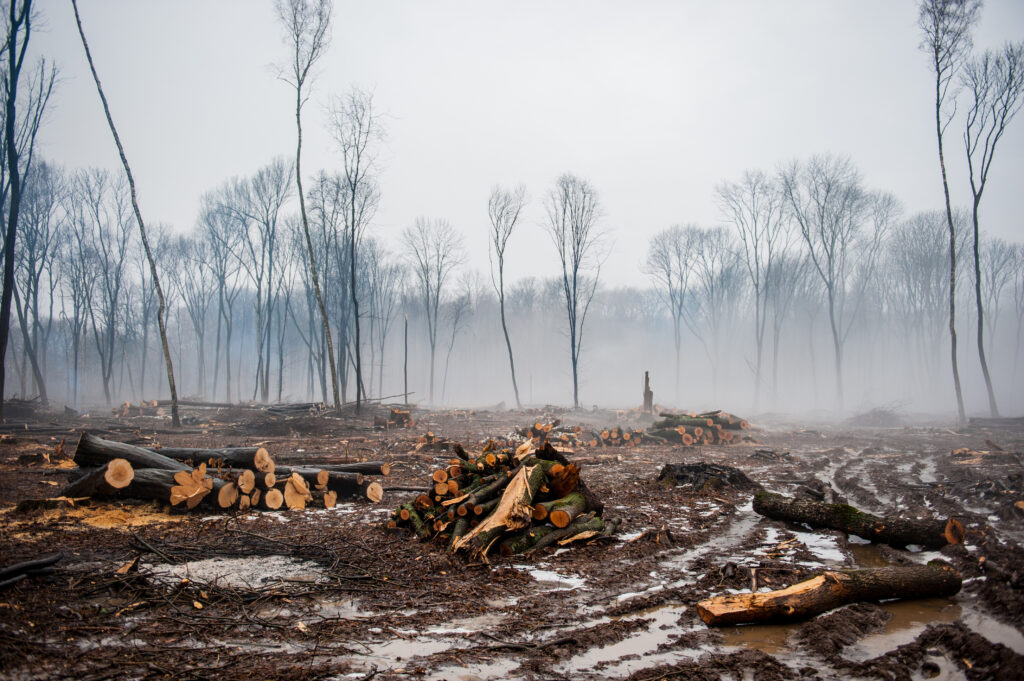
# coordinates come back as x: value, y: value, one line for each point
x: 281, y: 290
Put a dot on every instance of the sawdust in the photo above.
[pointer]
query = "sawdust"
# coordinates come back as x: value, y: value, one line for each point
x: 66, y: 512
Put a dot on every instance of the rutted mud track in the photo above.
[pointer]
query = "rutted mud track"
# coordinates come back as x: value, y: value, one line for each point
x: 330, y: 594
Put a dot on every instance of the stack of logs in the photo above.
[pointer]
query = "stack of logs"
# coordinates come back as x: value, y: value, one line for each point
x: 231, y: 478
x: 708, y: 428
x: 145, y: 408
x: 575, y: 436
x: 518, y: 502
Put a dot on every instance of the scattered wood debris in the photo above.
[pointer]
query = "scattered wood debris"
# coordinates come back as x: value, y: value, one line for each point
x: 395, y: 418
x: 520, y: 501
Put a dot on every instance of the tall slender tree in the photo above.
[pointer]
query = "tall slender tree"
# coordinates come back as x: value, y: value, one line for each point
x: 356, y: 128
x: 995, y: 85
x: 573, y: 211
x: 504, y: 208
x: 307, y: 24
x: 946, y: 27
x: 160, y: 315
x: 21, y: 121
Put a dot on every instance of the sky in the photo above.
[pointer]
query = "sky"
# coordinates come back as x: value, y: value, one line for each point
x: 654, y: 103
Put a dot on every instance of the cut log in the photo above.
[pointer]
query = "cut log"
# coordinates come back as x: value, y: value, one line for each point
x: 513, y: 512
x: 330, y: 499
x: 228, y: 495
x: 565, y: 510
x: 106, y: 480
x: 246, y: 481
x: 191, y: 487
x: 273, y: 499
x: 296, y: 492
x: 94, y: 451
x: 831, y: 590
x: 230, y: 457
x: 894, y: 531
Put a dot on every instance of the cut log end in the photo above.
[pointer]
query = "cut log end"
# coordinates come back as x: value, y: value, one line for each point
x: 374, y: 492
x: 119, y: 473
x: 330, y: 499
x: 246, y: 481
x: 954, y: 531
x: 228, y: 495
x: 262, y: 461
x: 273, y: 499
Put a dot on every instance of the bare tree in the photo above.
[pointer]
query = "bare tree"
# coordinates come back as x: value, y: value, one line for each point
x: 995, y: 85
x: 755, y: 206
x: 668, y: 265
x: 842, y: 227
x: 459, y: 311
x: 356, y: 128
x: 434, y: 250
x: 946, y: 29
x: 1018, y: 301
x: 221, y: 243
x: 196, y: 283
x: 307, y: 24
x: 385, y: 282
x: 257, y: 203
x: 175, y: 418
x: 573, y: 211
x: 22, y: 116
x: 36, y: 273
x: 503, y: 208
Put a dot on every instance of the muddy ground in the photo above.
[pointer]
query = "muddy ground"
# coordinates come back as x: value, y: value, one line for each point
x: 331, y: 594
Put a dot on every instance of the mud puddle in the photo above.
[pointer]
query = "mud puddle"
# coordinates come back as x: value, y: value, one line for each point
x: 653, y: 645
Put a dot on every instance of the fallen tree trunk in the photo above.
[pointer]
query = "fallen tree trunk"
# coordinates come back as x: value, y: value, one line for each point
x: 108, y: 479
x: 95, y: 451
x: 894, y: 531
x: 831, y: 590
x: 255, y: 458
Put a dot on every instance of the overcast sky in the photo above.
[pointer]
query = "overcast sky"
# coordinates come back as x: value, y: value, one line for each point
x: 653, y: 102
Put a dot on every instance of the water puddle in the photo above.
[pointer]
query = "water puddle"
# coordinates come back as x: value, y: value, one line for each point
x: 909, y: 619
x: 866, y: 555
x: 640, y: 647
x: 249, y: 573
x: 498, y: 669
x: 768, y: 638
x: 556, y: 580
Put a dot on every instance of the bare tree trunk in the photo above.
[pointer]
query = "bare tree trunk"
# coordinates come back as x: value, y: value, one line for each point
x: 981, y: 316
x: 312, y: 256
x: 961, y: 414
x: 175, y: 417
x: 405, y: 363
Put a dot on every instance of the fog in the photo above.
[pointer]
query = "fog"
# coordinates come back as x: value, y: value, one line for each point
x: 704, y: 256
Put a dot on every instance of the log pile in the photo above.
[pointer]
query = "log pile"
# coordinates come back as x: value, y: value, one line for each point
x: 505, y: 501
x: 144, y: 408
x: 231, y: 478
x: 689, y: 429
x: 576, y: 436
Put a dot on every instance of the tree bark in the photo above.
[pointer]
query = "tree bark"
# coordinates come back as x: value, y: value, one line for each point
x: 831, y: 590
x: 95, y: 451
x: 894, y: 531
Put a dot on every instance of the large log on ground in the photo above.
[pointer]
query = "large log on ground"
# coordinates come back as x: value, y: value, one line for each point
x: 255, y: 458
x: 345, y: 485
x: 95, y: 451
x: 108, y: 479
x: 894, y: 531
x: 831, y: 590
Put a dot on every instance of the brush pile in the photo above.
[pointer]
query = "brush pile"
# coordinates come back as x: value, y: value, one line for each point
x: 505, y: 501
x: 709, y: 428
x: 231, y: 478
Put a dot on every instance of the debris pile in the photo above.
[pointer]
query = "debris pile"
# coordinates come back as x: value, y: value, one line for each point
x: 576, y: 436
x: 709, y: 428
x: 395, y: 418
x: 230, y: 478
x: 705, y: 477
x: 512, y: 502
